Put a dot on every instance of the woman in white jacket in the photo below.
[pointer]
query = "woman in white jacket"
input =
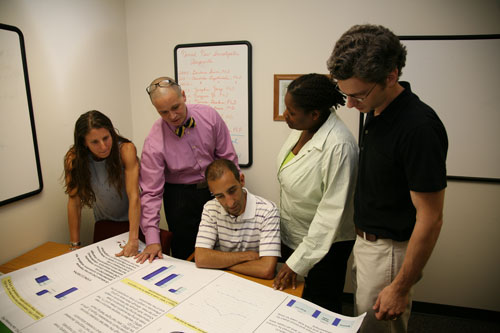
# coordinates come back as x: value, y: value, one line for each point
x: 317, y: 168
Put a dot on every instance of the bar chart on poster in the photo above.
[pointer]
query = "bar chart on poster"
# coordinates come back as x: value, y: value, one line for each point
x: 219, y: 75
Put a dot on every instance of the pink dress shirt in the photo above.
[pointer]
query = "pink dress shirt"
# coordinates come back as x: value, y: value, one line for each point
x: 166, y: 158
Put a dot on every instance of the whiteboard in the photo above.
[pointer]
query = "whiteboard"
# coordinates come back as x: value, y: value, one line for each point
x: 459, y: 77
x: 20, y: 173
x: 219, y: 74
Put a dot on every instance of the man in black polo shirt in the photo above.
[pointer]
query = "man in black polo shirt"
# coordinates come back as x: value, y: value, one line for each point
x: 402, y: 175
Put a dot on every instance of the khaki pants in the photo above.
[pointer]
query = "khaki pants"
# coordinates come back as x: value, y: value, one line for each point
x: 375, y: 266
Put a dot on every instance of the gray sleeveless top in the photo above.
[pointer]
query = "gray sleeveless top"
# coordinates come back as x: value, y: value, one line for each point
x: 108, y: 204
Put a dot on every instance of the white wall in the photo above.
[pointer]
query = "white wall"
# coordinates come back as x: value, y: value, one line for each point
x: 101, y: 54
x: 77, y: 61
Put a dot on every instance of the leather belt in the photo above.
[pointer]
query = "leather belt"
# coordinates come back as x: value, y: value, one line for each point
x: 367, y: 236
x: 201, y: 185
x: 198, y: 186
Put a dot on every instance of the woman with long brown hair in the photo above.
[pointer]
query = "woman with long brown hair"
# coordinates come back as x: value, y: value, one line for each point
x: 102, y: 171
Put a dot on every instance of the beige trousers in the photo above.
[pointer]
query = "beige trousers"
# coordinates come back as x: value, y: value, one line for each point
x: 375, y: 266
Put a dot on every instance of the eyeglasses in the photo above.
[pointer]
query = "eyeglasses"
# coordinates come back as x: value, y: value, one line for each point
x: 357, y: 99
x: 163, y: 83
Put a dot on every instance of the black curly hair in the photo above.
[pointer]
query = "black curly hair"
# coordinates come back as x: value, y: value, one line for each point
x: 315, y: 92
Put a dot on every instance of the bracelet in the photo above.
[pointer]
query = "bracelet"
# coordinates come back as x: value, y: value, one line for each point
x: 74, y: 244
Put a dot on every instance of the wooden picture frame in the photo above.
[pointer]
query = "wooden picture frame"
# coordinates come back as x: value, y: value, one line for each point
x: 281, y: 82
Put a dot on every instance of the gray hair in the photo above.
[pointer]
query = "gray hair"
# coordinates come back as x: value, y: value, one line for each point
x: 160, y: 91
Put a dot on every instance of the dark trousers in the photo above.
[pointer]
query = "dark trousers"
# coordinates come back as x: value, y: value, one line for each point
x: 183, y: 206
x: 324, y: 284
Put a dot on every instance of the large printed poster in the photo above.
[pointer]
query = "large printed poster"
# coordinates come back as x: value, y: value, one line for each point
x: 91, y: 290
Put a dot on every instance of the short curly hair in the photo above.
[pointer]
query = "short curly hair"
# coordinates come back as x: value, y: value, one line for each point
x: 368, y: 52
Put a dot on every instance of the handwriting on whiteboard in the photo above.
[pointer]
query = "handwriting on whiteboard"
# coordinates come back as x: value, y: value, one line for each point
x: 212, y: 79
x: 218, y: 76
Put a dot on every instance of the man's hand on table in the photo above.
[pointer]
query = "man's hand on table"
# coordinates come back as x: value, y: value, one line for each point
x: 150, y: 253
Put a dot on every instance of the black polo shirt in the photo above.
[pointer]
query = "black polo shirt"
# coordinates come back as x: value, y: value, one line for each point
x: 402, y: 149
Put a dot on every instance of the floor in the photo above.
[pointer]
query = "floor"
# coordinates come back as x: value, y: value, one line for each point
x: 432, y: 323
x: 435, y: 323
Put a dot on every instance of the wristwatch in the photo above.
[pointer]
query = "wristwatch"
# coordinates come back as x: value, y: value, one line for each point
x: 73, y: 245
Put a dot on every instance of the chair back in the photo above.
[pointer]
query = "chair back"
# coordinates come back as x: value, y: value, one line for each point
x: 105, y: 229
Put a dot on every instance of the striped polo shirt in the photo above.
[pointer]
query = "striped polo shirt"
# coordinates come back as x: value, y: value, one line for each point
x: 257, y: 229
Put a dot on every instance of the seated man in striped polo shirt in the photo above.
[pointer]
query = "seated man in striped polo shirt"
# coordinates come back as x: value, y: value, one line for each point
x: 238, y: 231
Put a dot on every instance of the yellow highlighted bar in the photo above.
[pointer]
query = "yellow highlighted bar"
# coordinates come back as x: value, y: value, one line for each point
x: 185, y: 323
x: 150, y: 292
x: 9, y: 288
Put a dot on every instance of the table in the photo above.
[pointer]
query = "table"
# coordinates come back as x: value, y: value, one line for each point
x: 52, y: 249
x: 44, y: 252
